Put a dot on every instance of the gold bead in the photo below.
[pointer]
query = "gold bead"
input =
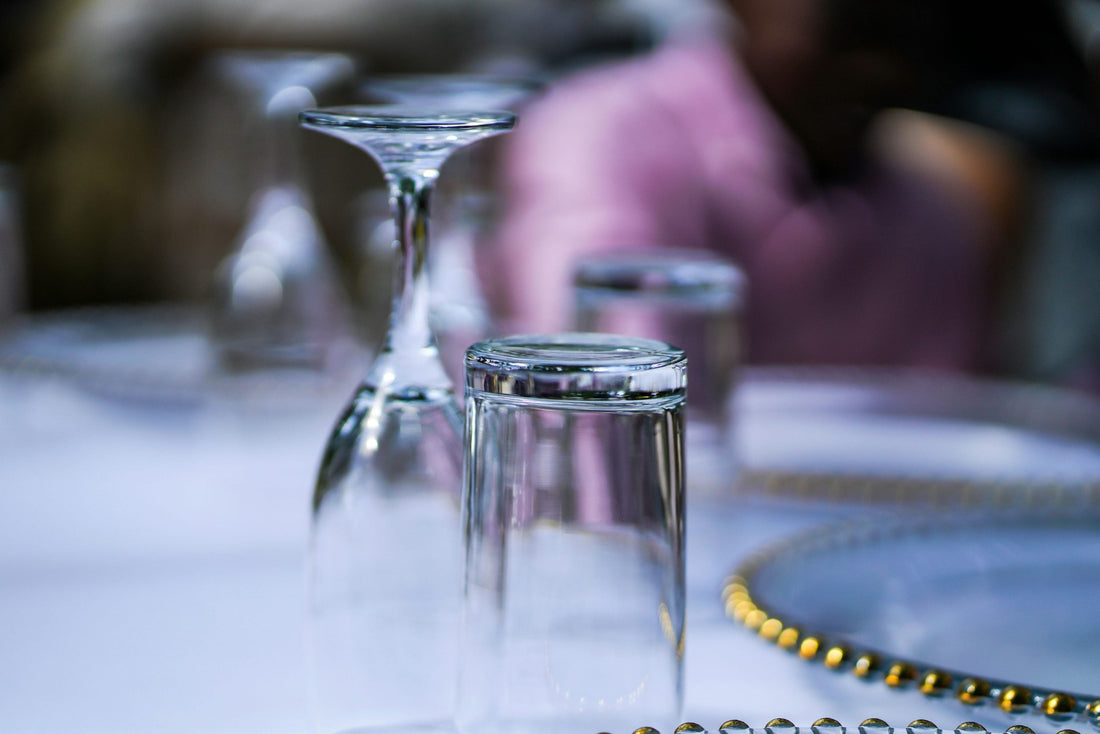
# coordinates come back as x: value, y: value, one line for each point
x: 972, y: 727
x: 646, y: 730
x: 1014, y: 699
x: 836, y: 656
x: 1068, y: 731
x: 826, y: 723
x: 935, y: 683
x: 1019, y: 729
x: 1059, y: 706
x: 735, y: 596
x: 689, y: 727
x: 900, y: 674
x: 1092, y: 713
x: 778, y: 724
x: 770, y: 629
x: 807, y: 650
x: 742, y: 609
x: 788, y: 638
x: 733, y: 725
x: 972, y: 691
x: 866, y: 664
x: 734, y: 587
x: 755, y: 618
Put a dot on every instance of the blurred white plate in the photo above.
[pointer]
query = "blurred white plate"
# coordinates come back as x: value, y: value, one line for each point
x: 880, y: 434
x: 154, y: 354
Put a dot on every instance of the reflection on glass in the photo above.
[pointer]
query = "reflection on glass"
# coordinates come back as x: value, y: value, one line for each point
x: 385, y: 557
x: 277, y: 298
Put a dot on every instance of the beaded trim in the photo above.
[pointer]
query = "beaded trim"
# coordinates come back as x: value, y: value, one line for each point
x: 936, y: 492
x: 832, y: 726
x: 837, y: 653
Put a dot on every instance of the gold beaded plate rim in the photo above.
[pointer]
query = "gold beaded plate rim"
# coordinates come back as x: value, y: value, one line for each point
x: 840, y: 653
x: 832, y: 726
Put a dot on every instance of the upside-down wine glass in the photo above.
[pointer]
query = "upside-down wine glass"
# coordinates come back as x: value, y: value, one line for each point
x: 386, y: 568
x: 466, y: 206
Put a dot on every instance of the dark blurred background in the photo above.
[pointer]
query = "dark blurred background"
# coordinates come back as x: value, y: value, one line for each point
x: 127, y: 166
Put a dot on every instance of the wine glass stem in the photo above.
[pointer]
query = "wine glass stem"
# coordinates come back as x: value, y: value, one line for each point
x: 410, y: 330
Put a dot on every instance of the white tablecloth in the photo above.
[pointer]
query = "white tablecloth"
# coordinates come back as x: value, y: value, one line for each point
x: 151, y: 576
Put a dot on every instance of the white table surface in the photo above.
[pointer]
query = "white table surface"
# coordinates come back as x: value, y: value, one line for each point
x: 151, y: 573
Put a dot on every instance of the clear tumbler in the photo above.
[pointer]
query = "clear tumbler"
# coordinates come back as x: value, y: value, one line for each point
x: 574, y: 535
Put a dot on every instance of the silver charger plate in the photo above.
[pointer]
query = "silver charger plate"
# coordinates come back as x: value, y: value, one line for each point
x: 992, y: 609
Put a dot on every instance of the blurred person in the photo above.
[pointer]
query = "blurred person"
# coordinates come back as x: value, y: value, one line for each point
x: 765, y: 141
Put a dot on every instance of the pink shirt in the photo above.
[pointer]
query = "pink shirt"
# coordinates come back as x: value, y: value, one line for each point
x: 679, y: 150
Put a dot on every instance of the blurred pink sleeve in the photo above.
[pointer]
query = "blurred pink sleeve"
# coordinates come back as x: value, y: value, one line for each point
x: 680, y: 150
x: 583, y: 169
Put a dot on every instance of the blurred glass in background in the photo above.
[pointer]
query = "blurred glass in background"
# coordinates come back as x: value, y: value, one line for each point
x: 277, y: 301
x: 689, y: 298
x: 137, y: 175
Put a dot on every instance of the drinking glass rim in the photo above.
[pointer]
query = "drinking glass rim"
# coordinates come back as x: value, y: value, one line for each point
x: 405, y: 117
x: 577, y: 366
x: 659, y: 270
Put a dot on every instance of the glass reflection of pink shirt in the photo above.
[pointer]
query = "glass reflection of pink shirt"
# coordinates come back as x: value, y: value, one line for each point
x: 678, y: 150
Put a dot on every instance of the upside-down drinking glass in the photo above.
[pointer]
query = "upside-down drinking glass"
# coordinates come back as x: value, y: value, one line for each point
x: 386, y: 569
x: 574, y: 593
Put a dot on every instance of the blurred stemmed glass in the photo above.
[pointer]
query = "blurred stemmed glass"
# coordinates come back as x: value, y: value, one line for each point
x: 386, y: 553
x: 466, y: 203
x: 277, y: 298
